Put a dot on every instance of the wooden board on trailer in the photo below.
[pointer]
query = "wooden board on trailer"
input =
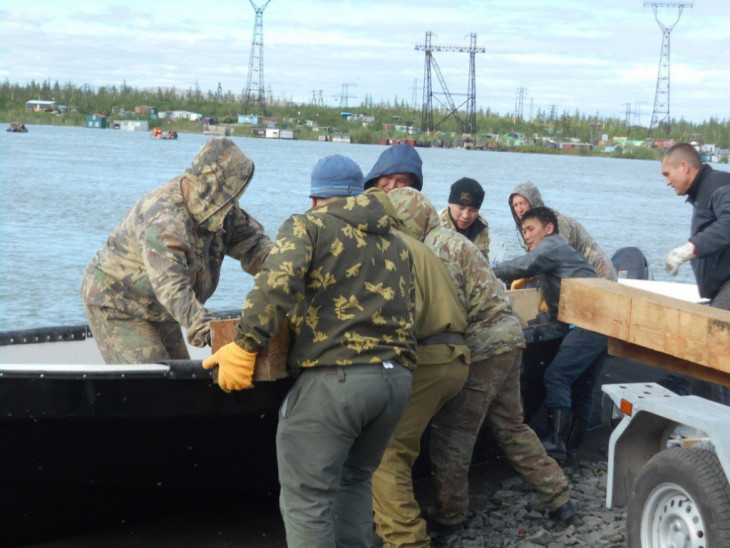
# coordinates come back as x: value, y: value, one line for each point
x: 654, y: 327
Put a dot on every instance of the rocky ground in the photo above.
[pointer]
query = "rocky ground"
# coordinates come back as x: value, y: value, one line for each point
x: 506, y: 512
x: 510, y: 516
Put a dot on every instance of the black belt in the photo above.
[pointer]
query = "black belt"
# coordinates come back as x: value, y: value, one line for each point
x: 442, y: 338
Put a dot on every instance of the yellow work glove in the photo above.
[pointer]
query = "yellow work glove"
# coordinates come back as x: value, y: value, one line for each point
x: 235, y: 367
x: 519, y: 283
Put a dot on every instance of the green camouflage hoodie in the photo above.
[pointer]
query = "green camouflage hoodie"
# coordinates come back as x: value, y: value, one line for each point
x: 163, y: 260
x: 346, y: 282
x: 493, y: 327
x: 570, y: 229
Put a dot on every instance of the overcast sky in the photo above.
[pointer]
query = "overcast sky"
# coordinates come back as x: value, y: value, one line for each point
x: 593, y: 55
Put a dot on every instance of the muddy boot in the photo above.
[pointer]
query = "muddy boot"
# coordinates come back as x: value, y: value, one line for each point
x: 566, y: 515
x: 558, y: 423
x: 575, y: 438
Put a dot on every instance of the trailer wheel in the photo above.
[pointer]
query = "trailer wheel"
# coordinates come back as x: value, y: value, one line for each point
x: 681, y: 498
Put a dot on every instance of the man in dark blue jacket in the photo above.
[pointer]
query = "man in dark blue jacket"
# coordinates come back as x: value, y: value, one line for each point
x: 572, y: 375
x: 708, y: 247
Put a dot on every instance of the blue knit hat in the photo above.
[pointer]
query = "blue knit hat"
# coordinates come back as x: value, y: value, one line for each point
x: 336, y: 176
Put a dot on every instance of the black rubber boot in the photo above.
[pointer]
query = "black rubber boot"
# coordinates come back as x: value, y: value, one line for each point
x: 558, y: 422
x: 566, y: 515
x: 575, y: 438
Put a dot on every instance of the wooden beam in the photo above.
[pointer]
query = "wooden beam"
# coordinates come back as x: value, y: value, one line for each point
x: 640, y: 354
x: 271, y: 360
x: 690, y: 332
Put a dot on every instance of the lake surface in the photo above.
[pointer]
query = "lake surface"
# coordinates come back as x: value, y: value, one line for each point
x: 64, y: 190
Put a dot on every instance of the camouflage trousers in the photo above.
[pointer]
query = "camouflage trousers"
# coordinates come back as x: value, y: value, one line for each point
x: 397, y: 515
x: 124, y: 339
x: 491, y: 394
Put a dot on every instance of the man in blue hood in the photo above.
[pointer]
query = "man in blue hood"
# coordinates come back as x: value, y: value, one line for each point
x: 398, y: 166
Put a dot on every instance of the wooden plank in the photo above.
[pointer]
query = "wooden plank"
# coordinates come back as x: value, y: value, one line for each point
x: 525, y: 303
x: 687, y: 331
x: 271, y: 360
x: 636, y: 353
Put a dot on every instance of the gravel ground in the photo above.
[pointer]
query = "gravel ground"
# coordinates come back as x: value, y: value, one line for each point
x: 511, y: 516
x: 506, y: 513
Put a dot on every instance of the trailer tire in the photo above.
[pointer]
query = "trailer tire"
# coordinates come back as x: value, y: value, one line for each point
x: 680, y: 498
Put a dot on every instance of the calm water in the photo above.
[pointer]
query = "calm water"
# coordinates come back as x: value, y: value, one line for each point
x: 65, y: 189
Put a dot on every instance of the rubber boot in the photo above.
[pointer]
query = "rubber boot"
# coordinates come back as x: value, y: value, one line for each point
x: 575, y: 438
x: 566, y: 515
x: 558, y: 423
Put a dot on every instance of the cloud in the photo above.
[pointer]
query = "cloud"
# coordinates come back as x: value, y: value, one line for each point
x: 576, y: 53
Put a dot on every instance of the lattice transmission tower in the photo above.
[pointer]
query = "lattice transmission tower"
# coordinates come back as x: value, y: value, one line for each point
x: 519, y: 103
x: 254, y: 95
x: 660, y: 115
x: 344, y: 97
x: 469, y: 122
x: 317, y: 100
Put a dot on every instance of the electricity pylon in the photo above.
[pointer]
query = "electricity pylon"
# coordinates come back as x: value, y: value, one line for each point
x: 660, y: 115
x: 468, y: 125
x: 255, y: 94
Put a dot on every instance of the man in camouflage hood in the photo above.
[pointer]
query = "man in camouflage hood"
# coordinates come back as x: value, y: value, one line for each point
x: 443, y: 358
x: 492, y: 390
x: 526, y: 196
x: 160, y: 265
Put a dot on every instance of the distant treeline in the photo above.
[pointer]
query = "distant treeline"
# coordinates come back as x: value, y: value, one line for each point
x: 119, y: 102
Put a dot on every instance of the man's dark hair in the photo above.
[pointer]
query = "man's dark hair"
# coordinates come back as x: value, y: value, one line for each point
x: 683, y: 152
x: 543, y: 214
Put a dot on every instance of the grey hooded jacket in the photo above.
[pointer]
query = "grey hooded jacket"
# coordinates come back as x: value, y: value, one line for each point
x: 570, y: 229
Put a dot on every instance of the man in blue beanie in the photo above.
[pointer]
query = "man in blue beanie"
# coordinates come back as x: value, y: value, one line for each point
x: 345, y: 280
x: 398, y: 166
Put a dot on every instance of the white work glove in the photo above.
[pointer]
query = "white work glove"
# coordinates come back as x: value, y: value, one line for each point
x: 679, y: 255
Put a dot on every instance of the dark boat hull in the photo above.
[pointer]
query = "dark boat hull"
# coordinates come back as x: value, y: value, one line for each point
x: 75, y: 433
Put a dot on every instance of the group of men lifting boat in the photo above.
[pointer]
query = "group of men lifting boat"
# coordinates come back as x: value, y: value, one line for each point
x: 398, y: 322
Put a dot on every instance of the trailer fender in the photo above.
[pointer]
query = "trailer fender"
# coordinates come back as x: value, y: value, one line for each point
x: 651, y: 414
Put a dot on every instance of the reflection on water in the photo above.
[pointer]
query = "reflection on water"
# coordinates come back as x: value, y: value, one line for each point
x: 65, y: 189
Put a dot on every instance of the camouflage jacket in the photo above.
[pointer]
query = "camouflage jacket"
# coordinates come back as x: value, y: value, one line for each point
x: 346, y: 281
x: 438, y: 308
x: 570, y: 229
x: 493, y: 326
x: 480, y: 238
x: 163, y: 261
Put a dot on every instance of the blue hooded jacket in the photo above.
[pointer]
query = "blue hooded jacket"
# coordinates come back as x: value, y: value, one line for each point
x: 400, y: 158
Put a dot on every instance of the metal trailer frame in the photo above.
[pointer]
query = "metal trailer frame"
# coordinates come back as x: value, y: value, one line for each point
x: 659, y: 419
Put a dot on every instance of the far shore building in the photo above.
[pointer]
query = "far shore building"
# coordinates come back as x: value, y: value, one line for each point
x: 97, y: 121
x: 37, y: 105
